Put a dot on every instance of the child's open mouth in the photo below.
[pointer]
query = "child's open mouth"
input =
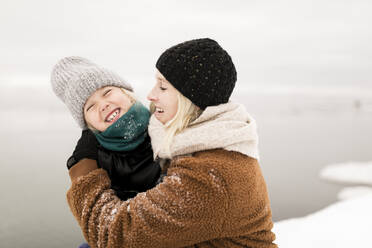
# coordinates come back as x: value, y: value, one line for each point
x: 113, y: 115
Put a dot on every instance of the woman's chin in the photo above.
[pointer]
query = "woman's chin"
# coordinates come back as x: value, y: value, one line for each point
x: 159, y: 116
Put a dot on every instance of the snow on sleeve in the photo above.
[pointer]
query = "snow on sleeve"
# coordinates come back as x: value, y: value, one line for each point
x: 351, y: 173
x: 343, y: 224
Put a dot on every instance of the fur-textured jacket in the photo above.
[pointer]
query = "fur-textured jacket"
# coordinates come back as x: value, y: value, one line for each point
x: 211, y: 198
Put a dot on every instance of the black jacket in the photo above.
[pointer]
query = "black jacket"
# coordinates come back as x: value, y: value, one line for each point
x: 130, y: 172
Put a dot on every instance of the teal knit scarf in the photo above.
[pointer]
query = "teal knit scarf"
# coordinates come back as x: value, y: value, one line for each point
x: 128, y: 131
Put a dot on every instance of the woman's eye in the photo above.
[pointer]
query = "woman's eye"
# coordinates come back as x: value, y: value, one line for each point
x: 162, y: 88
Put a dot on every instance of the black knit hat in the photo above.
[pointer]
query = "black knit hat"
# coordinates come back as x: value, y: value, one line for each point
x: 201, y: 70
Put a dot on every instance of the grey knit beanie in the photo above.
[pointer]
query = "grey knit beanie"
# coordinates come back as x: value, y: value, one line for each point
x: 74, y: 79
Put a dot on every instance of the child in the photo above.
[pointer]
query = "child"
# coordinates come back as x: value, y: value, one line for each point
x: 104, y: 106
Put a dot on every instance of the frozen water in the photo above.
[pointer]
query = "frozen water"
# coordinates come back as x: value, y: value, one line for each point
x: 343, y: 224
x: 351, y: 192
x: 350, y: 173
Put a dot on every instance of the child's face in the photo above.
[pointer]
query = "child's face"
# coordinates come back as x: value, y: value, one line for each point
x: 105, y: 106
x: 164, y: 97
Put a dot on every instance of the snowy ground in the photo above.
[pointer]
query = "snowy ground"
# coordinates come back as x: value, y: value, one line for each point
x: 343, y: 224
x: 300, y: 132
x: 346, y: 223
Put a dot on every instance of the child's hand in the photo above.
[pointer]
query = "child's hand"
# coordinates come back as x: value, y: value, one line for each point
x: 87, y: 147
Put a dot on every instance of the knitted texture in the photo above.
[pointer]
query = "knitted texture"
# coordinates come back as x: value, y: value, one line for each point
x: 227, y: 126
x: 128, y: 132
x: 74, y: 79
x: 201, y: 70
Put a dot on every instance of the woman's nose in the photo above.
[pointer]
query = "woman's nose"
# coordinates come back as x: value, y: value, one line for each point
x: 152, y: 96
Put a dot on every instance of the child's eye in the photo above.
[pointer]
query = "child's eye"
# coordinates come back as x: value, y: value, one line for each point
x: 106, y: 92
x: 90, y: 106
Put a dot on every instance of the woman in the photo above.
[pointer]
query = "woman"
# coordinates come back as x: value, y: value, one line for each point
x: 213, y: 194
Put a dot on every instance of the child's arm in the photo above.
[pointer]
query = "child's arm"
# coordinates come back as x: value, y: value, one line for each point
x: 83, y: 167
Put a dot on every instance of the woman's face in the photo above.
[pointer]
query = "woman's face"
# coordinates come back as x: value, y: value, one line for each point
x: 105, y: 106
x: 164, y: 97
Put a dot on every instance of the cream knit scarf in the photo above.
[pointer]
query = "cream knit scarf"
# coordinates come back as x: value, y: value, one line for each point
x: 227, y: 126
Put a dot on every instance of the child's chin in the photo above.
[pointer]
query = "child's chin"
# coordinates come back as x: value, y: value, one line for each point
x: 101, y: 129
x: 104, y: 129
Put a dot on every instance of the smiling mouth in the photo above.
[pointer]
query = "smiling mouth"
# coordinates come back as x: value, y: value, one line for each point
x: 159, y: 110
x: 113, y: 115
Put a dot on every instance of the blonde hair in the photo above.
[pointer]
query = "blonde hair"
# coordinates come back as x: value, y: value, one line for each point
x: 187, y: 112
x: 130, y: 94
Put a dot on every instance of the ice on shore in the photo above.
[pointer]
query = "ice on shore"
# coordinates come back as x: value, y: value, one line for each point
x: 352, y: 192
x: 343, y: 224
x: 350, y: 173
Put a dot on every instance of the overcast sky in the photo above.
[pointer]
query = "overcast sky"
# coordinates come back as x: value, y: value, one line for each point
x: 320, y: 42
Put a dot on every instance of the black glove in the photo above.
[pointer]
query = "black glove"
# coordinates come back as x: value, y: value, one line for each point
x: 87, y: 147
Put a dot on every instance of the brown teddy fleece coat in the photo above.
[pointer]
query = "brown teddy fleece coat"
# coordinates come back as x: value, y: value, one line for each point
x: 213, y: 194
x: 214, y: 198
